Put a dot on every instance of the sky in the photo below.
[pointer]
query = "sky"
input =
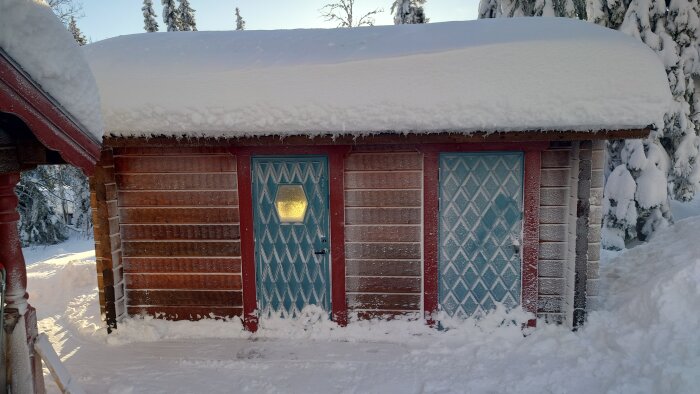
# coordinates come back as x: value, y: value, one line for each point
x: 109, y: 18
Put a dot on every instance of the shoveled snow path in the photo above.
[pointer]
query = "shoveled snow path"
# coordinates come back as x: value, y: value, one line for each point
x: 643, y: 340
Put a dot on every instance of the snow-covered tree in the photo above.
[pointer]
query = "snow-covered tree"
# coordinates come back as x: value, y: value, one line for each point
x: 240, y: 22
x: 516, y: 8
x: 186, y: 14
x: 408, y: 12
x: 149, y: 17
x: 669, y: 156
x: 78, y: 199
x: 489, y: 9
x: 39, y: 222
x: 608, y: 13
x: 680, y: 137
x: 171, y: 18
x: 52, y: 200
x: 343, y: 12
x: 77, y: 34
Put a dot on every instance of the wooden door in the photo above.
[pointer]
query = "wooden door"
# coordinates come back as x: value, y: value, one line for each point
x: 481, y: 199
x: 292, y: 260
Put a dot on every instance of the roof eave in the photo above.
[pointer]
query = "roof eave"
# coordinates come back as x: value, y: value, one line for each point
x: 361, y: 138
x: 48, y: 120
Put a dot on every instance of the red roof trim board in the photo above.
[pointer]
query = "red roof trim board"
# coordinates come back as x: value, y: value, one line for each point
x: 50, y: 123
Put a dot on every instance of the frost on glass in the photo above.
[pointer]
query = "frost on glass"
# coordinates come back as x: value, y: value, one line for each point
x: 291, y: 203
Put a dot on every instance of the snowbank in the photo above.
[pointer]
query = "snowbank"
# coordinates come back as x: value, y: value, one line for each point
x: 485, y: 75
x: 33, y: 37
x: 642, y: 340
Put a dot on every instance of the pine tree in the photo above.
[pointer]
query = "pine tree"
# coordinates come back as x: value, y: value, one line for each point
x: 516, y: 8
x: 669, y: 156
x: 240, y: 22
x: 408, y: 12
x: 186, y: 14
x: 77, y: 34
x: 489, y: 9
x: 76, y: 181
x: 680, y: 137
x: 39, y: 223
x: 608, y: 13
x: 149, y: 17
x: 171, y: 17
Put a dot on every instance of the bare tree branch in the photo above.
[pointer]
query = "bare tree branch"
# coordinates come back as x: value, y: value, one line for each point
x: 341, y: 12
x: 65, y: 9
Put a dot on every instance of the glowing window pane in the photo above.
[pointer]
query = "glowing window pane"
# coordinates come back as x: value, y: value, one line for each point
x: 291, y: 203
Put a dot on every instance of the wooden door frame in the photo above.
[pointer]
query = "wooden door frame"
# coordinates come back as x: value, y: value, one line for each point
x: 431, y: 218
x: 336, y: 216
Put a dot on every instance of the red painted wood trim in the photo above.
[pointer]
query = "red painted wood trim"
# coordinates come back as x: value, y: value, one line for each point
x: 245, y: 201
x: 485, y: 147
x: 327, y: 150
x: 431, y: 208
x: 531, y: 232
x: 337, y: 227
x: 51, y: 125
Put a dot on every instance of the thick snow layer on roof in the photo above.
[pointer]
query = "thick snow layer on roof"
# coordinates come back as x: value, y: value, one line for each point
x: 485, y: 75
x: 34, y: 38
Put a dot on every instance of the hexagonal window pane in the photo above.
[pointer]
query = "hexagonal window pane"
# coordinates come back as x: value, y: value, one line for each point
x: 291, y: 203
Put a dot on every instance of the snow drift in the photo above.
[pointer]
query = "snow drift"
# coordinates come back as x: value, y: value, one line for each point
x: 642, y: 340
x: 485, y: 75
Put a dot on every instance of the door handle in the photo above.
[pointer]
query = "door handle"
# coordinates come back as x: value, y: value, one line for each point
x: 322, y: 251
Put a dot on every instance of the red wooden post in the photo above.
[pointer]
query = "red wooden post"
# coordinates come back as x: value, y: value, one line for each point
x: 16, y: 291
x: 531, y: 232
x: 431, y: 229
x: 245, y: 198
x: 337, y: 227
x: 11, y: 248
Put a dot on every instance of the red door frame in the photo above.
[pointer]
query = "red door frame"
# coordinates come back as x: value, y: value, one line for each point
x: 431, y: 226
x: 336, y: 168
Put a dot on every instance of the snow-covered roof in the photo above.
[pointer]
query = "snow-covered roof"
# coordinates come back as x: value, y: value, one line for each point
x: 485, y: 75
x: 42, y: 46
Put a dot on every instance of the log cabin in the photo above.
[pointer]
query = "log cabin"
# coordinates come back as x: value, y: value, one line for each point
x: 422, y: 170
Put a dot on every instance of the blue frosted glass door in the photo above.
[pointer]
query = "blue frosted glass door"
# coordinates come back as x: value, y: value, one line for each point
x: 290, y: 203
x: 480, y: 231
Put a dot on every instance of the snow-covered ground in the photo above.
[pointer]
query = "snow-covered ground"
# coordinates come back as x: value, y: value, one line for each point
x: 644, y: 339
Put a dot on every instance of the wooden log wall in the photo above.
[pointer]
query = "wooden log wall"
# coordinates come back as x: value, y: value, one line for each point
x: 555, y: 232
x: 383, y: 232
x: 595, y: 221
x: 179, y: 215
x: 108, y: 253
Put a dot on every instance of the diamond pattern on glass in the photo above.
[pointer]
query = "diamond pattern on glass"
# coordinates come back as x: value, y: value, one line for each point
x: 289, y: 274
x: 480, y: 213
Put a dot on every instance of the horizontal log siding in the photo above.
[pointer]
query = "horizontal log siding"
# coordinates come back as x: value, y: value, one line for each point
x: 554, y: 231
x: 597, y: 183
x: 383, y: 221
x: 180, y: 234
